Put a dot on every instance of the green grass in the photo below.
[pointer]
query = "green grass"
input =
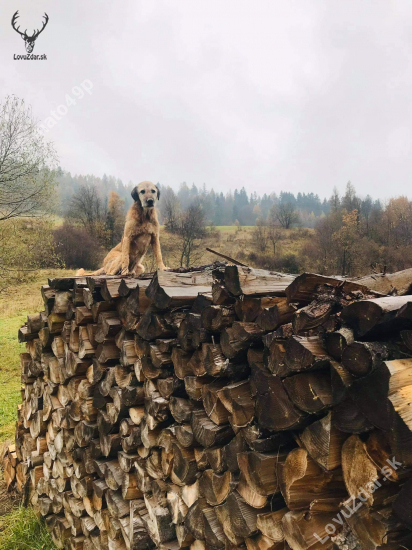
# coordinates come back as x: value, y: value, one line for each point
x: 9, y: 374
x: 16, y: 304
x: 21, y: 530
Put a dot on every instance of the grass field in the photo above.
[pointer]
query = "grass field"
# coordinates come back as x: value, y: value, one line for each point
x: 239, y: 243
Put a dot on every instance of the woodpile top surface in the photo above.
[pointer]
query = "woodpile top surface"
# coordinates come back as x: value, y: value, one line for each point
x: 218, y: 407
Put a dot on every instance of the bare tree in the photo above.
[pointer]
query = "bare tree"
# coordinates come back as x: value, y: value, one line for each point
x: 115, y: 219
x: 274, y: 233
x: 334, y: 200
x: 287, y: 215
x: 27, y: 162
x: 191, y: 229
x: 87, y: 209
x: 170, y: 209
x: 260, y: 235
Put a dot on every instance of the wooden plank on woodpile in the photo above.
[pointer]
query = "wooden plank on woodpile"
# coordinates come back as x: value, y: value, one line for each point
x: 255, y: 282
x: 168, y: 289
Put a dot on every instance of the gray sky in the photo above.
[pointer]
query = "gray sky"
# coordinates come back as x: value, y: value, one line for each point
x: 273, y: 95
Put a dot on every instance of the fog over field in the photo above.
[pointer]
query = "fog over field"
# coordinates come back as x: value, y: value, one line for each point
x: 273, y: 95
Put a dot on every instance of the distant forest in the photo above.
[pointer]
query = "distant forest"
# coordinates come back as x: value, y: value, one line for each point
x: 230, y: 208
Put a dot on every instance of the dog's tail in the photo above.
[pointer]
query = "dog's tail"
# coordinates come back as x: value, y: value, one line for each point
x: 81, y: 272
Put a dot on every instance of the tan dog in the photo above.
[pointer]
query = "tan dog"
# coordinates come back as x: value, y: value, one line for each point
x: 141, y: 229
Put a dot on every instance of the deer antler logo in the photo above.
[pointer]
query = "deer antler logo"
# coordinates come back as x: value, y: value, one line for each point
x: 28, y: 40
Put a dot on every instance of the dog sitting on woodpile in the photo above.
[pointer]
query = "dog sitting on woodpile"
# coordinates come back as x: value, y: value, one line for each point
x: 141, y: 229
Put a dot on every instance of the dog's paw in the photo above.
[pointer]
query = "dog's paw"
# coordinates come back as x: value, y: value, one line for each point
x: 162, y: 267
x: 124, y: 271
x: 138, y: 270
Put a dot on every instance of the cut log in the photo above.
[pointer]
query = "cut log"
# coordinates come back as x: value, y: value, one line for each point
x: 307, y: 531
x: 270, y: 524
x: 152, y: 326
x: 242, y: 517
x: 305, y: 353
x: 306, y: 285
x: 261, y: 471
x: 215, y: 488
x: 311, y: 316
x: 310, y: 391
x: 348, y: 417
x: 379, y: 315
x: 304, y: 485
x: 324, y: 442
x: 218, y: 364
x: 337, y: 341
x: 362, y: 476
x: 398, y: 283
x: 215, y: 318
x: 207, y: 433
x: 275, y: 315
x: 391, y: 379
x: 360, y: 358
x: 274, y: 409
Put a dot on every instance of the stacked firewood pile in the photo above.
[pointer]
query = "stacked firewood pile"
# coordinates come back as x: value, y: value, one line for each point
x: 218, y: 408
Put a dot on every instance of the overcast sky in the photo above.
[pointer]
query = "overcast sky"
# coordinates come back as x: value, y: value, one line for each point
x: 268, y: 94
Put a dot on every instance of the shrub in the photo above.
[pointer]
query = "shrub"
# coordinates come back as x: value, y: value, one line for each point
x: 26, y: 245
x: 288, y: 263
x: 77, y: 248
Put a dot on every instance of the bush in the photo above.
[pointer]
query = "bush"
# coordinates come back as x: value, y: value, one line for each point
x: 26, y: 245
x: 288, y: 263
x: 77, y: 248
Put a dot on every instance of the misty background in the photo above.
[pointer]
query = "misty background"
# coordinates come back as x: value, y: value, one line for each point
x: 271, y: 96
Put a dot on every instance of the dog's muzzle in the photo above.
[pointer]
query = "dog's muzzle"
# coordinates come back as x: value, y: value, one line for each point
x: 150, y: 202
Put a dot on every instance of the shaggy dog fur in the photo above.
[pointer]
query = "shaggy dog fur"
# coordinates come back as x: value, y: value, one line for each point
x: 141, y: 229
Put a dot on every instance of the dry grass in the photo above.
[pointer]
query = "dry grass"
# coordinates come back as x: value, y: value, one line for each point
x: 238, y: 244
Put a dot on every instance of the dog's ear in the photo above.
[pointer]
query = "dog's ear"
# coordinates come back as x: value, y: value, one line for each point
x: 158, y: 192
x: 135, y: 194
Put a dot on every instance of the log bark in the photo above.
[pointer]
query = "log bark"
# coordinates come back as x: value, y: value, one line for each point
x: 368, y: 317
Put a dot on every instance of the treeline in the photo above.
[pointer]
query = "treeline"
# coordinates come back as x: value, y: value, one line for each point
x: 230, y: 208
x: 242, y: 208
x: 361, y: 235
x: 69, y: 186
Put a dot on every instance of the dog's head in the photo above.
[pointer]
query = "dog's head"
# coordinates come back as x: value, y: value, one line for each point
x: 146, y: 193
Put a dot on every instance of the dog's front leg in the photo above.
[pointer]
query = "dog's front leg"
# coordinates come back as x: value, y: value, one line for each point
x: 157, y: 251
x: 125, y: 256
